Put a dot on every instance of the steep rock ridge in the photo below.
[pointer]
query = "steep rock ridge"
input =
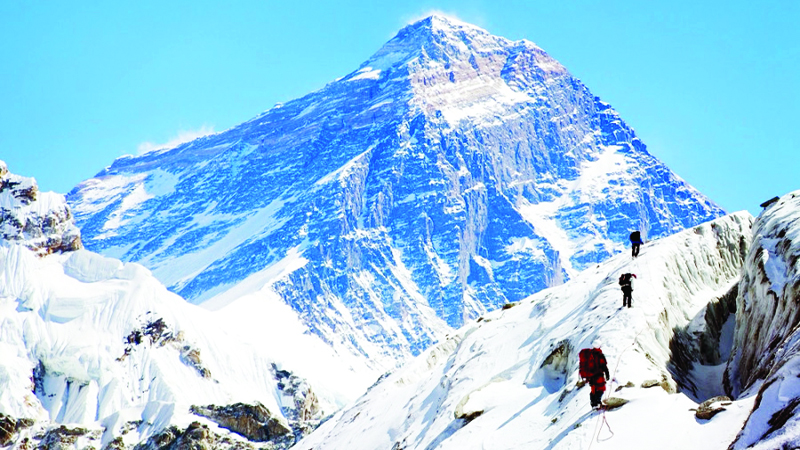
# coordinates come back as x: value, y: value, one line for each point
x: 453, y: 172
x: 508, y: 379
x: 766, y: 354
x: 103, y: 347
x: 42, y: 221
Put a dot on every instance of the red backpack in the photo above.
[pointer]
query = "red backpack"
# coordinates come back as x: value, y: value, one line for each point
x: 591, y: 362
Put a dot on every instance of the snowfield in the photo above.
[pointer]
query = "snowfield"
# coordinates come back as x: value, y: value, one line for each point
x: 506, y: 372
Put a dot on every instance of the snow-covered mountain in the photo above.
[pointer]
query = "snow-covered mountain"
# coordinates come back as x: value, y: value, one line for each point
x: 508, y: 379
x: 453, y: 172
x: 97, y: 353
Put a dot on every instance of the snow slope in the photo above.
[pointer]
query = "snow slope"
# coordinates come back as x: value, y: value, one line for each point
x: 514, y: 371
x: 766, y: 354
x: 67, y: 352
x: 453, y: 172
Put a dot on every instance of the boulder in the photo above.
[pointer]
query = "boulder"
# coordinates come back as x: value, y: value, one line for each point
x: 614, y: 402
x: 711, y: 407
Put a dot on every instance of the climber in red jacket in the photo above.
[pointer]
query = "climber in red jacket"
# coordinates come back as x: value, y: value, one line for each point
x: 593, y: 369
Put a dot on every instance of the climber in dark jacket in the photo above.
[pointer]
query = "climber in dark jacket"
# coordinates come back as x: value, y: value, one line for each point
x: 626, y: 283
x: 636, y: 241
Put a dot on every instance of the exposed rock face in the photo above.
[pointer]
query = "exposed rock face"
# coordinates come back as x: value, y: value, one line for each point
x: 156, y: 332
x: 255, y: 422
x: 767, y: 338
x: 10, y: 427
x: 453, y: 173
x: 62, y: 437
x: 195, y: 437
x: 40, y: 221
x: 302, y: 408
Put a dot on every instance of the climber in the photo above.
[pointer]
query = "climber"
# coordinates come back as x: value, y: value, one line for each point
x: 636, y: 241
x: 626, y: 283
x: 593, y: 369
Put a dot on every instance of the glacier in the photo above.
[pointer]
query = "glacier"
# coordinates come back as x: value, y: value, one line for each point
x: 453, y: 172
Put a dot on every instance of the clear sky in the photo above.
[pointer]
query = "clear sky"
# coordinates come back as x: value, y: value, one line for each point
x: 712, y: 87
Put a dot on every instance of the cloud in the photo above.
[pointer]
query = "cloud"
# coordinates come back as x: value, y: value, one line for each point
x: 183, y: 136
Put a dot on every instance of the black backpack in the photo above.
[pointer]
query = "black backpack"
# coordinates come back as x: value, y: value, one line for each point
x: 625, y: 279
x: 635, y: 237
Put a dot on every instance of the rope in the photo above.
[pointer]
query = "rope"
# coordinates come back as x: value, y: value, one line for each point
x: 602, y: 419
x: 599, y: 424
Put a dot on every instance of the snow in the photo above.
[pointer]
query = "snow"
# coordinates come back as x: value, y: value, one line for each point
x: 367, y: 73
x: 71, y: 313
x: 766, y: 351
x: 183, y: 267
x: 495, y: 365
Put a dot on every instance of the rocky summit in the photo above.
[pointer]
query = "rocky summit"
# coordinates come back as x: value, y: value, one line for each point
x: 453, y: 172
x: 41, y: 221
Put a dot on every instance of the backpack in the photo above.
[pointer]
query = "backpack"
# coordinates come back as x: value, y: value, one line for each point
x: 625, y: 279
x: 635, y: 237
x: 592, y: 361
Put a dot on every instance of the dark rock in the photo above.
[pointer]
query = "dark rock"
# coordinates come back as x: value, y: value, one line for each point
x: 116, y: 444
x: 255, y: 422
x: 10, y: 427
x: 62, y: 437
x: 711, y: 407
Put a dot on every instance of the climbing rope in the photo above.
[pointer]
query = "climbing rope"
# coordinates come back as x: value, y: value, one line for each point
x: 599, y: 423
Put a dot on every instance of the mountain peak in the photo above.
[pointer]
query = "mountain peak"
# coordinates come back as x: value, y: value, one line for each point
x: 436, y: 37
x: 444, y: 22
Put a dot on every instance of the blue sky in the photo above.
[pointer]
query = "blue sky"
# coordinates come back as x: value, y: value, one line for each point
x: 711, y: 87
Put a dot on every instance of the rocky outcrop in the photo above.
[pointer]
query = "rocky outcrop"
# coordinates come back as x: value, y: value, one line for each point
x: 40, y: 221
x: 64, y: 437
x: 712, y: 407
x: 196, y: 436
x: 303, y: 409
x: 254, y: 422
x: 10, y: 427
x: 156, y: 332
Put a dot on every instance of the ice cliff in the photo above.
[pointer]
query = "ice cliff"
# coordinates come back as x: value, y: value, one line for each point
x: 766, y: 357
